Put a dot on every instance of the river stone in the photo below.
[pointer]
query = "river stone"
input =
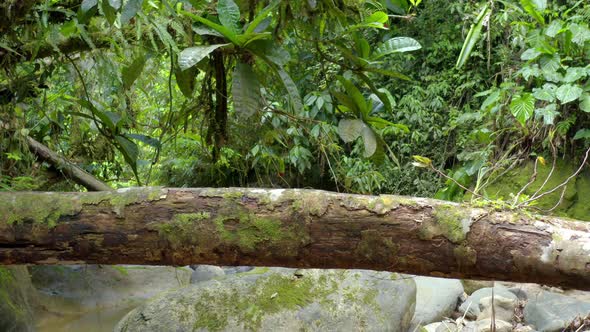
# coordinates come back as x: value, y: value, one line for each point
x: 472, y: 301
x: 484, y: 325
x: 550, y: 312
x: 503, y: 308
x: 16, y: 299
x: 206, y: 272
x: 436, y: 298
x: 278, y: 300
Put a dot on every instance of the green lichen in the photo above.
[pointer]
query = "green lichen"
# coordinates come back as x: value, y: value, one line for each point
x: 465, y: 256
x: 247, y: 230
x: 186, y: 229
x: 450, y: 221
x: 270, y: 294
x: 48, y: 208
x: 375, y: 247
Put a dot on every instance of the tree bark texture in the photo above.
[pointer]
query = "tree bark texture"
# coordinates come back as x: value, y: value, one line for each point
x: 292, y: 228
x: 70, y: 170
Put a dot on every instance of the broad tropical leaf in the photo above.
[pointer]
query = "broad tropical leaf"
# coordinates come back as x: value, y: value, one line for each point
x: 130, y: 9
x: 229, y: 15
x: 473, y: 36
x: 522, y: 107
x: 245, y: 90
x: 193, y: 55
x: 582, y: 133
x: 261, y: 17
x: 88, y: 4
x: 568, y: 93
x: 548, y: 113
x: 585, y: 102
x: 535, y: 9
x: 396, y: 45
x: 292, y: 90
x: 350, y: 129
x: 129, y: 151
x: 131, y: 73
x: 369, y: 140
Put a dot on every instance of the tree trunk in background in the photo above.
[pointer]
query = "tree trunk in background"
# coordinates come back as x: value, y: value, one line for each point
x: 70, y: 170
x: 292, y: 228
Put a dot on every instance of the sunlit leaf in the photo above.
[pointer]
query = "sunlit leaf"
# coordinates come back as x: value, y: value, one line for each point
x: 548, y: 113
x: 350, y: 129
x: 522, y: 107
x: 193, y: 55
x: 568, y: 93
x: 585, y: 102
x: 396, y: 45
x: 473, y: 36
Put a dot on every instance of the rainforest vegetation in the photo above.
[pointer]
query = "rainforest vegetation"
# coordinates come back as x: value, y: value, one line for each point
x: 479, y: 101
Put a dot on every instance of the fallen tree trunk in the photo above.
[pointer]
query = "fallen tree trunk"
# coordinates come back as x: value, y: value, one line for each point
x: 294, y: 228
x: 70, y: 170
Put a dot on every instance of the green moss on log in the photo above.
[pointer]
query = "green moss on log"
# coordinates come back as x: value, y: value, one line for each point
x: 48, y: 208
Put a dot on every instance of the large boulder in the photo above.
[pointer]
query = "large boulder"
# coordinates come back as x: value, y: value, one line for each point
x: 282, y: 300
x: 436, y: 298
x: 82, y: 297
x: 550, y: 312
x: 16, y: 297
x: 471, y: 307
x: 206, y: 272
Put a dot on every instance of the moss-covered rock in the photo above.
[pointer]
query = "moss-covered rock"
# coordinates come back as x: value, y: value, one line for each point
x: 16, y: 296
x: 575, y: 199
x: 280, y: 299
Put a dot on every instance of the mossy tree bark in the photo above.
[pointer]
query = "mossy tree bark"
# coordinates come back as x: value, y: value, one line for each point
x: 295, y: 228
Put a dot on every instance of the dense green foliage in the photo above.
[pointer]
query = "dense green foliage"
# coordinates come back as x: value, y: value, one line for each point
x: 327, y: 94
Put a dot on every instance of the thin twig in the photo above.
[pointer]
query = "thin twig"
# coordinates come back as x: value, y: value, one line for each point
x: 561, y: 185
x: 531, y: 180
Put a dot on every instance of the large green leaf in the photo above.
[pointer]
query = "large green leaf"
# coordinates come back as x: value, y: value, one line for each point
x: 535, y: 9
x: 129, y: 151
x: 350, y: 129
x: 193, y: 55
x: 245, y: 90
x: 574, y: 73
x: 130, y: 9
x: 585, y: 102
x: 355, y: 94
x: 473, y: 36
x: 229, y: 15
x: 185, y: 79
x: 396, y: 45
x: 261, y: 17
x: 292, y: 90
x: 87, y: 5
x: 109, y: 12
x: 582, y: 134
x: 548, y: 113
x: 522, y: 107
x: 131, y: 72
x: 568, y: 93
x: 226, y: 32
x: 369, y: 140
x: 580, y: 33
x: 546, y: 93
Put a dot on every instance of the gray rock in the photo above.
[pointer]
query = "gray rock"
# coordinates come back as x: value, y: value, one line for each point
x: 206, y: 272
x: 78, y: 298
x: 264, y: 300
x: 504, y: 308
x: 237, y: 269
x: 430, y: 327
x: 436, y: 298
x: 471, y: 286
x: 484, y: 325
x: 447, y: 326
x: 550, y: 312
x: 472, y: 301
